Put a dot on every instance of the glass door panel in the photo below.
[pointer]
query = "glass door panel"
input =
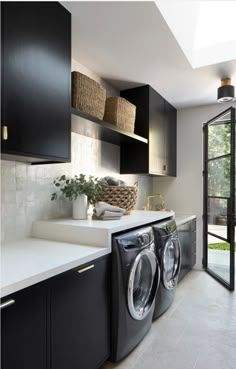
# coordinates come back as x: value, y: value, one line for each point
x: 219, y: 176
x: 219, y: 257
x: 219, y: 197
x: 219, y: 139
x: 217, y: 216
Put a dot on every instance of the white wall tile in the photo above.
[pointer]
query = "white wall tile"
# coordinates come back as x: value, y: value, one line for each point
x: 26, y: 189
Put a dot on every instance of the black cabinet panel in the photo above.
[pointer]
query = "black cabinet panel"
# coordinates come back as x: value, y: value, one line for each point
x: 140, y: 98
x: 156, y: 120
x: 157, y: 134
x: 23, y: 330
x: 134, y: 158
x: 80, y: 323
x: 171, y: 135
x: 187, y: 238
x: 36, y: 67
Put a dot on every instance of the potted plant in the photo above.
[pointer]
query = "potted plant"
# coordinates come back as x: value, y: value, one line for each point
x: 80, y: 190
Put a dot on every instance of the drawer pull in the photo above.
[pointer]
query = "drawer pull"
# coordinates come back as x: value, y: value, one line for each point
x: 86, y: 268
x: 4, y: 133
x: 6, y: 304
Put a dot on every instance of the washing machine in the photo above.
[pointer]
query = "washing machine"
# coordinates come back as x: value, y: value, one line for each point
x: 168, y: 253
x: 135, y: 280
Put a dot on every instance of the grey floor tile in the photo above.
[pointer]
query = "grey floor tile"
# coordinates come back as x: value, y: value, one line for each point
x: 197, y: 332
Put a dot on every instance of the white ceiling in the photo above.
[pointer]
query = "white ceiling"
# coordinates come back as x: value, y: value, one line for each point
x: 129, y: 43
x: 211, y: 36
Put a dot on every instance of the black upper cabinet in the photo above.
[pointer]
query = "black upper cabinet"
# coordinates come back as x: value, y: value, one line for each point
x: 24, y: 330
x: 36, y: 74
x: 171, y: 138
x: 155, y: 120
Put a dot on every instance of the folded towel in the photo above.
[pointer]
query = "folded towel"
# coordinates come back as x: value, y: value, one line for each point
x: 105, y: 211
x: 111, y: 181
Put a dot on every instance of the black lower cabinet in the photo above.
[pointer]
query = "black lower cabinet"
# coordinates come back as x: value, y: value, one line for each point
x: 62, y: 323
x: 24, y: 330
x: 187, y: 238
x: 80, y: 323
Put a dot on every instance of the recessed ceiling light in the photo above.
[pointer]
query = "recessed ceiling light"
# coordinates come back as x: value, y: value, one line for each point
x: 205, y: 30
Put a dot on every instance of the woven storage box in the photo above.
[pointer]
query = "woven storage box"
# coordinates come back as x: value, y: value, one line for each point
x: 120, y: 112
x: 88, y: 95
x: 124, y: 197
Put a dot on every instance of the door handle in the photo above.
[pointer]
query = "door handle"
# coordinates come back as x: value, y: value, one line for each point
x: 4, y: 133
x: 6, y: 304
x: 85, y: 269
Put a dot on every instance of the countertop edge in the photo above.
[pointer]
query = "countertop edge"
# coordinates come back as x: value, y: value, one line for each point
x: 50, y: 273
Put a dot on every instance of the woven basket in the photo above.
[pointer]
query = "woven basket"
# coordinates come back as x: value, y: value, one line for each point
x: 88, y: 95
x: 124, y: 197
x: 120, y: 112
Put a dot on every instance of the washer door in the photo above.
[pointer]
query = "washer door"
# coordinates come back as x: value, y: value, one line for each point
x: 143, y: 282
x: 171, y: 261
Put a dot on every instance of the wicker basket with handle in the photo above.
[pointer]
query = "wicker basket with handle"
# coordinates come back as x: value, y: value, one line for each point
x: 120, y: 112
x: 88, y: 95
x: 124, y: 197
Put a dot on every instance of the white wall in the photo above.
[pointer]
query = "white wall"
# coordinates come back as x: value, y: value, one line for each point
x: 184, y: 194
x: 26, y: 189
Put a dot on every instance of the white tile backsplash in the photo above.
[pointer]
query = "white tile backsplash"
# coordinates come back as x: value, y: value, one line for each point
x: 26, y: 189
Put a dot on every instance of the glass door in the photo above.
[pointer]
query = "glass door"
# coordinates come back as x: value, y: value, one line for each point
x: 219, y: 198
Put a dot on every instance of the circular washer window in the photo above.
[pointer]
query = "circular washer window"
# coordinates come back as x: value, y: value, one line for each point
x: 143, y: 283
x: 171, y: 263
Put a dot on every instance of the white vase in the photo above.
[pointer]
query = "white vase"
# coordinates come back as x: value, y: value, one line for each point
x: 80, y: 207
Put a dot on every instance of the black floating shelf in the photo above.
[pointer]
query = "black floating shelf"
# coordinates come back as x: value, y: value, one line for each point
x: 101, y: 130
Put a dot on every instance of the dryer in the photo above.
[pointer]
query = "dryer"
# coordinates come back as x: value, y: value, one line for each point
x: 168, y: 253
x: 135, y: 280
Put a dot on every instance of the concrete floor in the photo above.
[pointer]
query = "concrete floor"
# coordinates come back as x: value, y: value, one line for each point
x: 197, y: 332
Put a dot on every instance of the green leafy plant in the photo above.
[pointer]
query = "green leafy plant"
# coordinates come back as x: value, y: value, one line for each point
x: 71, y: 188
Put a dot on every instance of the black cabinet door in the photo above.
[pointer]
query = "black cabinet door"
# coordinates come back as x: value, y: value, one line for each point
x: 135, y: 158
x: 23, y: 331
x: 187, y: 239
x: 157, y: 134
x: 80, y: 322
x: 156, y: 120
x: 170, y: 138
x: 36, y: 68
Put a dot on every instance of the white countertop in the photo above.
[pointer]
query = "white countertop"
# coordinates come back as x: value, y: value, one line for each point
x: 183, y: 218
x: 94, y: 232
x: 63, y: 244
x: 27, y: 262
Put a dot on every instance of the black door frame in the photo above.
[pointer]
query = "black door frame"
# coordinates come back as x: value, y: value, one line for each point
x: 231, y: 207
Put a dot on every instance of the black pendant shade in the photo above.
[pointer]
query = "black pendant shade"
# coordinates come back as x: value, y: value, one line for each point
x: 225, y: 92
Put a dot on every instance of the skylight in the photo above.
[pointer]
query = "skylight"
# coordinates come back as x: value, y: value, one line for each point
x: 205, y: 30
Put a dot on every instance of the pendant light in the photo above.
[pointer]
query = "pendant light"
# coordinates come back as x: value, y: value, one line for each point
x: 225, y: 92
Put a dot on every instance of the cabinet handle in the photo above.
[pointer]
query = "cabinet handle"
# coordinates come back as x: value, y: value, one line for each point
x: 6, y: 304
x: 165, y: 167
x: 4, y: 133
x: 86, y: 268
